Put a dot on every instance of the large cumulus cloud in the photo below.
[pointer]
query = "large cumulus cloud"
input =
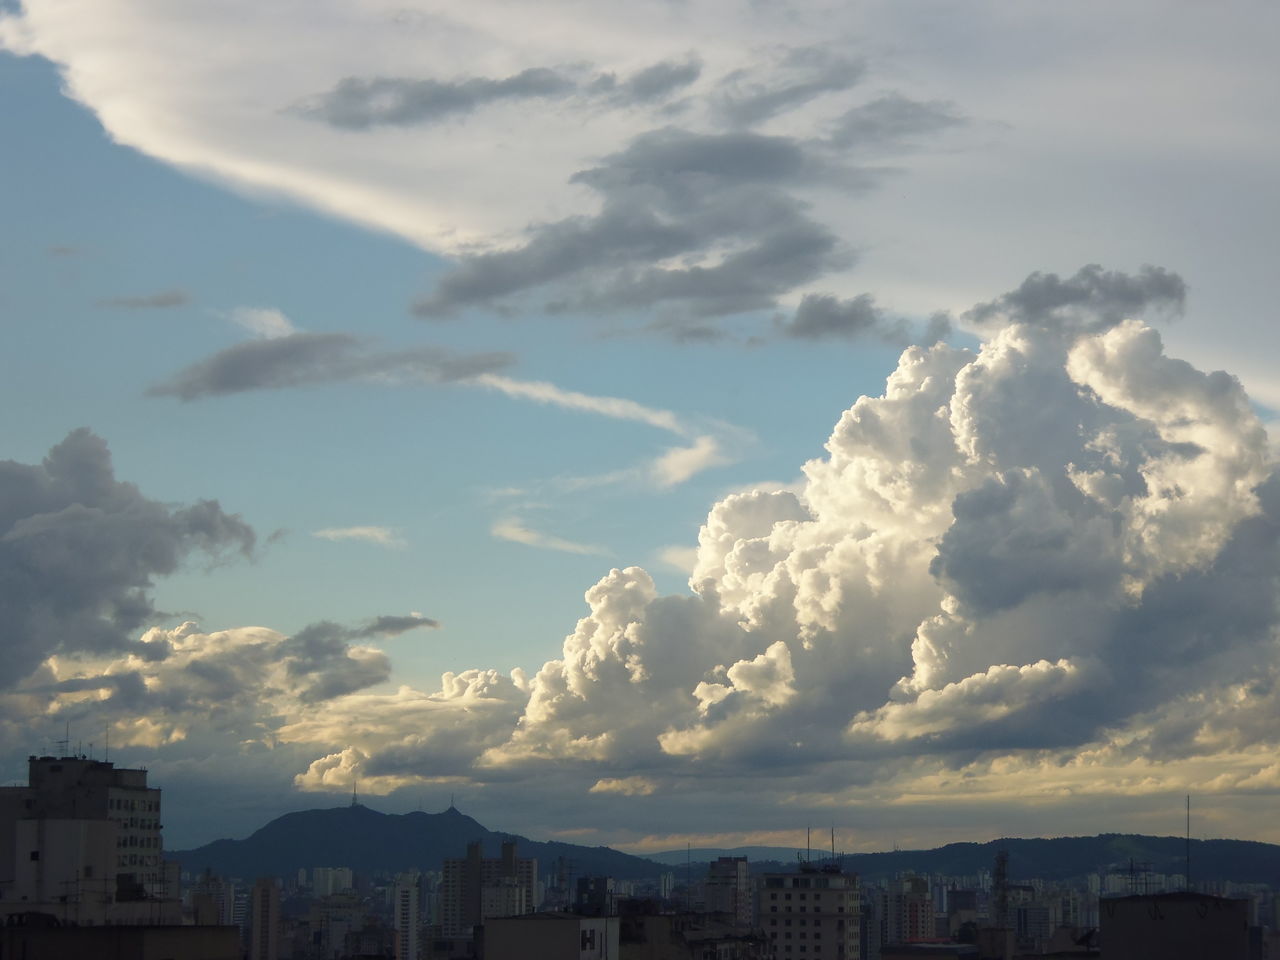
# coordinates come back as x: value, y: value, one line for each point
x: 1052, y: 543
x: 1045, y: 567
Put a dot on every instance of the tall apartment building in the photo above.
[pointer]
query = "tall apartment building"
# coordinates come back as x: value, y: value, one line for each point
x: 909, y: 913
x: 729, y: 890
x: 83, y: 841
x: 264, y: 929
x: 510, y: 881
x: 813, y: 914
x: 407, y: 919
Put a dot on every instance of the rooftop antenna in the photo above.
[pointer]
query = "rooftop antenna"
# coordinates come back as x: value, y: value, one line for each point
x: 808, y: 844
x: 1188, y: 878
x: 833, y: 843
x: 688, y: 876
x: 355, y: 800
x: 64, y: 745
x: 106, y: 748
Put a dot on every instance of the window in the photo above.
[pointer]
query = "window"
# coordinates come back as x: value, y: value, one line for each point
x: 35, y: 854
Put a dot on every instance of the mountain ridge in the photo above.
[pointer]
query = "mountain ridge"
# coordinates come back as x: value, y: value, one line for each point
x: 368, y: 841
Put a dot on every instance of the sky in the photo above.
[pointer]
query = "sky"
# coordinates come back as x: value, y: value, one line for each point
x: 646, y: 423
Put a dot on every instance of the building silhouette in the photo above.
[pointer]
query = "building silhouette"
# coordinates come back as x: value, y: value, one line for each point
x: 475, y: 886
x: 82, y: 842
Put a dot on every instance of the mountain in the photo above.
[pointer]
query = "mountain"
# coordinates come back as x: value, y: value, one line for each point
x: 371, y: 842
x: 1243, y: 861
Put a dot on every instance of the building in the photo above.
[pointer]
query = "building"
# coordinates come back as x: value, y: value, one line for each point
x: 510, y: 883
x: 1173, y: 926
x: 82, y: 842
x: 264, y: 930
x: 564, y: 936
x: 406, y: 917
x: 909, y: 911
x: 729, y: 890
x: 52, y: 941
x: 326, y: 881
x: 813, y: 914
x: 596, y: 897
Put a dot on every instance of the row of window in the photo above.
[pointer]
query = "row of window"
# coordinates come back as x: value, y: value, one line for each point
x: 144, y: 806
x: 816, y: 922
x: 132, y: 841
x: 135, y: 823
x: 816, y: 909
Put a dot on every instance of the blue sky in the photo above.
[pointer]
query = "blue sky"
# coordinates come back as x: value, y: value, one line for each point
x: 574, y: 289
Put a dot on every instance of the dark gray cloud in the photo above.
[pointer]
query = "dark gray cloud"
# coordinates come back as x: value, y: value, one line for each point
x: 79, y: 552
x: 653, y: 84
x: 750, y: 97
x: 151, y: 301
x: 1093, y: 299
x: 822, y: 317
x: 893, y: 122
x: 391, y: 626
x: 357, y: 103
x: 321, y: 662
x: 660, y: 80
x: 671, y: 196
x: 307, y: 358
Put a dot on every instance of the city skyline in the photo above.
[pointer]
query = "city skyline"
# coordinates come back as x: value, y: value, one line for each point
x: 349, y: 349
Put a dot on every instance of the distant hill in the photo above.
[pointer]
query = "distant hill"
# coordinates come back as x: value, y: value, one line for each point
x: 371, y: 842
x: 1243, y: 861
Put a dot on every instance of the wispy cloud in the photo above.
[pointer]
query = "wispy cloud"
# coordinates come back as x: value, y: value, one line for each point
x: 297, y: 359
x: 150, y: 301
x: 514, y: 530
x: 680, y: 463
x: 541, y: 391
x: 382, y: 536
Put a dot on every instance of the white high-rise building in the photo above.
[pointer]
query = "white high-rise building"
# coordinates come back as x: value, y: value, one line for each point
x: 406, y: 896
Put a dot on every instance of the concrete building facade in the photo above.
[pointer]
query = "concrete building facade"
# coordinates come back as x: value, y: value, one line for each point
x: 82, y: 841
x: 729, y: 890
x: 813, y: 914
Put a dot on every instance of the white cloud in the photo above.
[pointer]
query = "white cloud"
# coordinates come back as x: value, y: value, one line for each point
x: 680, y: 463
x: 266, y: 322
x: 618, y: 408
x: 382, y: 536
x: 626, y: 786
x: 514, y: 530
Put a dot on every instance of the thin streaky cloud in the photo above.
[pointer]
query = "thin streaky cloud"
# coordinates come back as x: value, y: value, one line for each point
x: 515, y: 531
x: 382, y: 536
x: 150, y: 301
x: 542, y: 391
